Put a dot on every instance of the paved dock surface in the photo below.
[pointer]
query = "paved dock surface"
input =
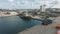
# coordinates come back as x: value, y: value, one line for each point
x: 41, y: 29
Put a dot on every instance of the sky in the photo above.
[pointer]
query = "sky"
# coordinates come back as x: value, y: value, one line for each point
x: 27, y: 4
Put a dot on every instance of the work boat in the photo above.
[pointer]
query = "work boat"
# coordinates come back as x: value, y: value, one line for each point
x: 24, y: 17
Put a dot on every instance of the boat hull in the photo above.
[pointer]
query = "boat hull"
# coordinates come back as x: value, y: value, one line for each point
x: 24, y: 17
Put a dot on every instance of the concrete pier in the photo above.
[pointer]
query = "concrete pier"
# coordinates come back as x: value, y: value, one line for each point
x: 41, y: 29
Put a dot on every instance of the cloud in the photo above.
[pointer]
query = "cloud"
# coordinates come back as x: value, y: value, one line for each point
x: 50, y: 3
x: 57, y: 5
x: 27, y: 4
x: 34, y: 4
x: 11, y: 0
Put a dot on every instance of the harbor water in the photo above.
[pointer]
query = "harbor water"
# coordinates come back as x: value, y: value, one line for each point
x: 14, y: 24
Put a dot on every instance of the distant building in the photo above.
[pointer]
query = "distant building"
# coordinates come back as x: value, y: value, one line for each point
x: 55, y: 10
x: 13, y: 13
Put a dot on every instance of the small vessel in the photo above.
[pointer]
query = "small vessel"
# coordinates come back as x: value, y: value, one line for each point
x: 24, y: 17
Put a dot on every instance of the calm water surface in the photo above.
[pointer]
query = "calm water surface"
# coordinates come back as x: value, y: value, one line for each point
x: 14, y: 24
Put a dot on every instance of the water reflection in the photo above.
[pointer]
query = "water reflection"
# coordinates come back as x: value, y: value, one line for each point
x: 13, y: 25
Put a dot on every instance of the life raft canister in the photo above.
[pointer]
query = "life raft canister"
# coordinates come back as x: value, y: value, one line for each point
x: 58, y: 26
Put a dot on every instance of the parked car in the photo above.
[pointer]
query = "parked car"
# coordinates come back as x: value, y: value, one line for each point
x: 46, y: 22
